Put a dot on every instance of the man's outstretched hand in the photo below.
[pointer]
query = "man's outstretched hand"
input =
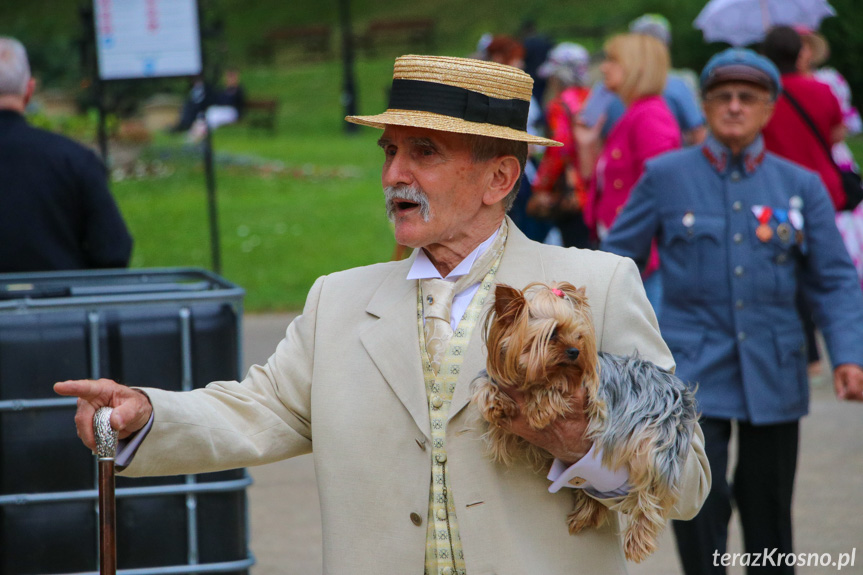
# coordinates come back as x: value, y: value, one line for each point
x: 565, y: 438
x: 132, y: 408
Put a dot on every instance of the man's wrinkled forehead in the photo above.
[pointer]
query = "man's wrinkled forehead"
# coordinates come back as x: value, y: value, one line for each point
x: 384, y: 141
x: 424, y: 137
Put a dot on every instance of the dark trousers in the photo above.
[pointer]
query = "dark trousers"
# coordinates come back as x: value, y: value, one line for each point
x: 762, y: 487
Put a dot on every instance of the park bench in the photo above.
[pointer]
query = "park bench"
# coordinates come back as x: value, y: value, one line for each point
x: 410, y: 33
x: 298, y: 41
x: 261, y: 114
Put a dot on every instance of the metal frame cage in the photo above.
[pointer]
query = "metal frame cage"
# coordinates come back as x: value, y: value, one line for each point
x: 178, y: 329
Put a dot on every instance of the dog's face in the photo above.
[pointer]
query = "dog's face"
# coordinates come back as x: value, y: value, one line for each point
x: 540, y: 334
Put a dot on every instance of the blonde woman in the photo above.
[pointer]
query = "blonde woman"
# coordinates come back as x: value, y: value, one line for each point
x: 635, y: 68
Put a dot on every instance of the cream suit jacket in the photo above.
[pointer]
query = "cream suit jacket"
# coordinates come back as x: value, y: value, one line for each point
x: 346, y: 383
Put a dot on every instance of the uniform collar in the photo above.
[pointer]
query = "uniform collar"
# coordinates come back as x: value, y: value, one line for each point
x: 719, y: 156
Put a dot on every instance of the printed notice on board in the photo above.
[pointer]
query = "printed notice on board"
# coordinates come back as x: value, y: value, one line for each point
x: 147, y: 38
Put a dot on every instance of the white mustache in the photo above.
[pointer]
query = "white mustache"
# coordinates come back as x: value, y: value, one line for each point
x: 410, y: 194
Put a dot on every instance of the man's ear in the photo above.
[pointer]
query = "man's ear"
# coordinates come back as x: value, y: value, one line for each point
x: 28, y: 91
x: 505, y: 171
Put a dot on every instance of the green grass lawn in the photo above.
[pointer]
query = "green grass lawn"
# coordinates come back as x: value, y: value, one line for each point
x: 295, y: 205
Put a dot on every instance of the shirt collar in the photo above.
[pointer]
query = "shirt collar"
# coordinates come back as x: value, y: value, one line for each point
x: 423, y: 268
x: 719, y: 156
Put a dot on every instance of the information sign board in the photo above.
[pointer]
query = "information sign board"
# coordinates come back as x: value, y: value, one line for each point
x: 147, y: 38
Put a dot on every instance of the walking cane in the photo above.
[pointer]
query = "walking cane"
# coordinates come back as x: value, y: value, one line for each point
x: 106, y: 448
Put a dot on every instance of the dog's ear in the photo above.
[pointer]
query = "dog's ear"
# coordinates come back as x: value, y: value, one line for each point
x: 508, y: 302
x: 578, y: 295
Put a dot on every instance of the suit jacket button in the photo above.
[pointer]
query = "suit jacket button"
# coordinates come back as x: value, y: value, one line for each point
x: 577, y: 481
x: 618, y: 184
x: 416, y: 519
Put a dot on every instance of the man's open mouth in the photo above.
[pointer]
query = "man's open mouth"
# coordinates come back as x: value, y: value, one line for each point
x: 405, y: 201
x: 404, y: 205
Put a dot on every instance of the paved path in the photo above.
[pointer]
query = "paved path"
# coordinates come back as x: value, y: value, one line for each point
x: 828, y: 508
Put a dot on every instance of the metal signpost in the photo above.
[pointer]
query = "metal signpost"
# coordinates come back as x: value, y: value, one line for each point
x: 145, y: 39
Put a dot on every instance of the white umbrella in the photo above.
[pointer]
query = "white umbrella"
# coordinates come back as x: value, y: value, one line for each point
x: 742, y: 22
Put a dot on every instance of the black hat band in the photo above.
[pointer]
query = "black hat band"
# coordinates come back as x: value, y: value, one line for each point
x: 458, y: 102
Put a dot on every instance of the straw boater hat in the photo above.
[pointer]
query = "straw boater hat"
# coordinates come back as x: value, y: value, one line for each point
x: 458, y: 95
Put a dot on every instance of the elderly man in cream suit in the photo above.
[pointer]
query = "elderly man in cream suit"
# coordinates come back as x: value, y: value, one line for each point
x: 373, y: 378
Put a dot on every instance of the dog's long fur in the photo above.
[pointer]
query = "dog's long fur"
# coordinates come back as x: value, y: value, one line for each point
x: 541, y: 341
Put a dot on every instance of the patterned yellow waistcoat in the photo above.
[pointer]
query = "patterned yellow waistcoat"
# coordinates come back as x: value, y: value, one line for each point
x: 443, y: 545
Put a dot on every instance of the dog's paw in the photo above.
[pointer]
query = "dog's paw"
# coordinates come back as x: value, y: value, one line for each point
x: 639, y: 539
x: 588, y: 513
x: 494, y: 406
x: 544, y: 407
x: 537, y: 418
x: 500, y: 410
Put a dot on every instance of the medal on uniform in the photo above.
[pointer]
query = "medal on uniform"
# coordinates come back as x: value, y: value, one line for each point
x: 796, y: 219
x: 763, y: 232
x: 783, y: 230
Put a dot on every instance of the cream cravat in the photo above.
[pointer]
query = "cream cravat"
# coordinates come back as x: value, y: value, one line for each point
x: 437, y: 303
x: 437, y: 300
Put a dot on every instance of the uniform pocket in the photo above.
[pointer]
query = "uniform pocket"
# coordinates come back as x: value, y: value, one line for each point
x: 789, y: 346
x: 693, y: 256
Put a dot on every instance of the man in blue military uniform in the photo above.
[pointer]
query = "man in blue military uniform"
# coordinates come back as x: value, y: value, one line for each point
x: 739, y: 231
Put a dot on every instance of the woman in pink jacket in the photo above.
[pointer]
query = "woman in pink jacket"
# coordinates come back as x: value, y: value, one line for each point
x: 635, y: 68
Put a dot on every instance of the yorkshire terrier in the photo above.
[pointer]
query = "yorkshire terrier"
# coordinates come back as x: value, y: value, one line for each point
x: 541, y: 341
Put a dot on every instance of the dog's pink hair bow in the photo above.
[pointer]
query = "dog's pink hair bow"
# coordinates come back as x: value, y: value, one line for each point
x: 558, y: 293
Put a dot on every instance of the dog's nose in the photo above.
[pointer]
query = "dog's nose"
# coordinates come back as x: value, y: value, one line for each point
x: 572, y: 353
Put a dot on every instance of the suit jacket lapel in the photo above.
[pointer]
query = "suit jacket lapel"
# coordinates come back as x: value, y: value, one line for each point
x: 392, y: 342
x: 520, y: 264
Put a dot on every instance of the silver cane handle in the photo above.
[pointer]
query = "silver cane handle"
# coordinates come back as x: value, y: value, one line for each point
x: 106, y: 437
